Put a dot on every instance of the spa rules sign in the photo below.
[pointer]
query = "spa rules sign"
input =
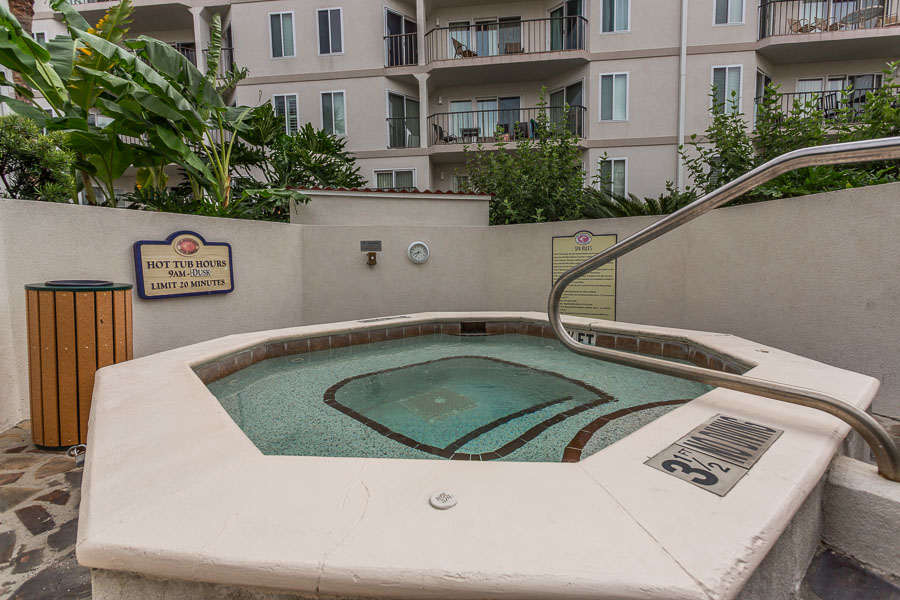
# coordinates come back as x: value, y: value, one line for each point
x: 594, y: 294
x: 184, y: 264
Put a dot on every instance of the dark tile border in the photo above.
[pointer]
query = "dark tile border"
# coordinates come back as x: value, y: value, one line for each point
x: 450, y: 451
x: 573, y: 450
x: 679, y: 350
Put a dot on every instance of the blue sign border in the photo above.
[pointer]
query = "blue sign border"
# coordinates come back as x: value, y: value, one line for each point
x: 139, y: 273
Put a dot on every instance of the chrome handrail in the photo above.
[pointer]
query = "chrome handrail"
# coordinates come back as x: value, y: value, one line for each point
x: 886, y: 452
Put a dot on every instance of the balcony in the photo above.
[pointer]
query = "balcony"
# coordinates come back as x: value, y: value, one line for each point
x: 188, y: 50
x: 401, y: 50
x: 812, y: 31
x: 499, y: 125
x: 507, y: 38
x: 831, y: 106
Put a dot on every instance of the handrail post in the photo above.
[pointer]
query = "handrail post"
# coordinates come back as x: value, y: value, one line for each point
x: 887, y: 454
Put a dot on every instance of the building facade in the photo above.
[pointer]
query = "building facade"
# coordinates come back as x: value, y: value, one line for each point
x: 411, y: 83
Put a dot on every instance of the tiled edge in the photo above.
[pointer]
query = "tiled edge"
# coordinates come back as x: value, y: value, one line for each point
x: 681, y: 350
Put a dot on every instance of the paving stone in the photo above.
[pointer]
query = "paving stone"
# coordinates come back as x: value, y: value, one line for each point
x: 60, y: 497
x: 12, y: 496
x: 55, y: 466
x: 65, y: 536
x: 10, y: 477
x: 835, y: 577
x: 74, y: 477
x: 28, y: 561
x: 7, y: 545
x: 17, y: 462
x: 36, y: 519
x: 65, y: 579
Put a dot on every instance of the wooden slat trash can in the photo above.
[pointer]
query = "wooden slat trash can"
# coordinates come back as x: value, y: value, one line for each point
x: 74, y: 328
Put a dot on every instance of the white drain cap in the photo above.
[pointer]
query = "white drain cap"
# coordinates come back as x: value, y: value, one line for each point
x: 443, y: 500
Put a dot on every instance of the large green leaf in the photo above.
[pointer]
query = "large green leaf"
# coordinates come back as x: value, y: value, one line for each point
x: 108, y: 155
x: 62, y: 55
x: 71, y: 17
x: 188, y: 158
x: 27, y: 110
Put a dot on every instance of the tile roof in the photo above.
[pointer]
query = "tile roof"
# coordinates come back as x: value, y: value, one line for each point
x: 382, y: 191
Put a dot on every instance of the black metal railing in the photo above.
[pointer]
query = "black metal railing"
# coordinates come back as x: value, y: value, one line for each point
x: 403, y: 132
x: 793, y: 17
x: 500, y: 125
x: 401, y: 50
x: 226, y: 60
x: 189, y: 52
x: 506, y: 37
x: 845, y: 105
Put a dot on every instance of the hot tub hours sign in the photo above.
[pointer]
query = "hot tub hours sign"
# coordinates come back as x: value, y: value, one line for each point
x: 184, y: 264
x: 594, y: 295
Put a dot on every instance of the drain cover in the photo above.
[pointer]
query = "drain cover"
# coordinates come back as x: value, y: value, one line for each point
x: 443, y: 500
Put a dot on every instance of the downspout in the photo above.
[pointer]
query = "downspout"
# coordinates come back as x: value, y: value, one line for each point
x: 682, y: 85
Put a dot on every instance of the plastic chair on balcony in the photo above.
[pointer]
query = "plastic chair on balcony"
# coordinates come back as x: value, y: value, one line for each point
x: 462, y: 51
x: 441, y: 136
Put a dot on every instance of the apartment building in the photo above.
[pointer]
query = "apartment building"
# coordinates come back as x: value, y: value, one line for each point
x: 411, y: 83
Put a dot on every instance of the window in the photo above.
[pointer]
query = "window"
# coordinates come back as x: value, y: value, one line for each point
x: 729, y: 12
x: 281, y: 30
x: 726, y: 83
x: 40, y: 37
x: 614, y: 97
x: 615, y: 16
x: 567, y: 26
x: 286, y: 108
x: 403, y: 121
x: 396, y: 179
x: 460, y: 182
x: 331, y: 31
x: 334, y: 113
x: 614, y: 175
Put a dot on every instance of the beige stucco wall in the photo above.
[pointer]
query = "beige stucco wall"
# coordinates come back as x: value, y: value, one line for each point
x: 43, y: 241
x: 816, y: 276
x: 380, y: 208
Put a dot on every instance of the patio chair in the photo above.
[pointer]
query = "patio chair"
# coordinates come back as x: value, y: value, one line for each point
x: 462, y: 51
x: 889, y: 21
x: 513, y: 48
x: 799, y: 26
x: 441, y: 136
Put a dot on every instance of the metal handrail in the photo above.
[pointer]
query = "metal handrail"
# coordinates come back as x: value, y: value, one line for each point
x: 887, y: 455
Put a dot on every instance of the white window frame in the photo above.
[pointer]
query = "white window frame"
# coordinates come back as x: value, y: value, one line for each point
x: 393, y: 171
x: 612, y: 160
x: 454, y: 182
x: 728, y: 12
x: 614, y: 30
x: 297, y: 101
x: 600, y: 118
x: 34, y: 36
x: 293, y: 34
x: 322, y: 109
x: 712, y: 79
x: 343, y: 37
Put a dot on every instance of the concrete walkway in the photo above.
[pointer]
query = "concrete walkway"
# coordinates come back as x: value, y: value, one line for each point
x: 39, y: 496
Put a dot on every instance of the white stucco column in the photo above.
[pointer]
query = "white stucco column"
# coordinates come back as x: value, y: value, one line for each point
x: 201, y: 36
x: 420, y: 31
x: 424, y: 111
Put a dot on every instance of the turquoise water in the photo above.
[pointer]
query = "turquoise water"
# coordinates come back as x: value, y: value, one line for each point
x: 438, y: 395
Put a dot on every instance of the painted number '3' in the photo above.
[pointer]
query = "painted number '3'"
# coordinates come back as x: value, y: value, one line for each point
x: 703, y: 477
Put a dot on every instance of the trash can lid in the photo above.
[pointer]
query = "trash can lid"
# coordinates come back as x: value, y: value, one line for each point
x: 81, y: 285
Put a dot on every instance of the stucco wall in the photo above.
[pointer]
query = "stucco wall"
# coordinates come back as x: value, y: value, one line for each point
x: 43, y: 241
x: 816, y: 276
x: 383, y: 208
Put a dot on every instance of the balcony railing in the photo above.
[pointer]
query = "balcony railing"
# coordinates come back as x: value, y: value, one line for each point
x: 508, y: 37
x: 226, y: 60
x: 401, y: 50
x: 830, y: 106
x: 189, y: 52
x: 793, y: 17
x: 500, y: 125
x: 403, y: 132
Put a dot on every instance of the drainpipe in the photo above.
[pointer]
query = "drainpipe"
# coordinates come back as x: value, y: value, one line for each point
x: 682, y: 84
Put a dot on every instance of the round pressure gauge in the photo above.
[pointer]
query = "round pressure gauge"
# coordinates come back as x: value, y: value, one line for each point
x: 418, y: 252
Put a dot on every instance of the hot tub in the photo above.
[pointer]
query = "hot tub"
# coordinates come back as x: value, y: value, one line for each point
x: 178, y: 499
